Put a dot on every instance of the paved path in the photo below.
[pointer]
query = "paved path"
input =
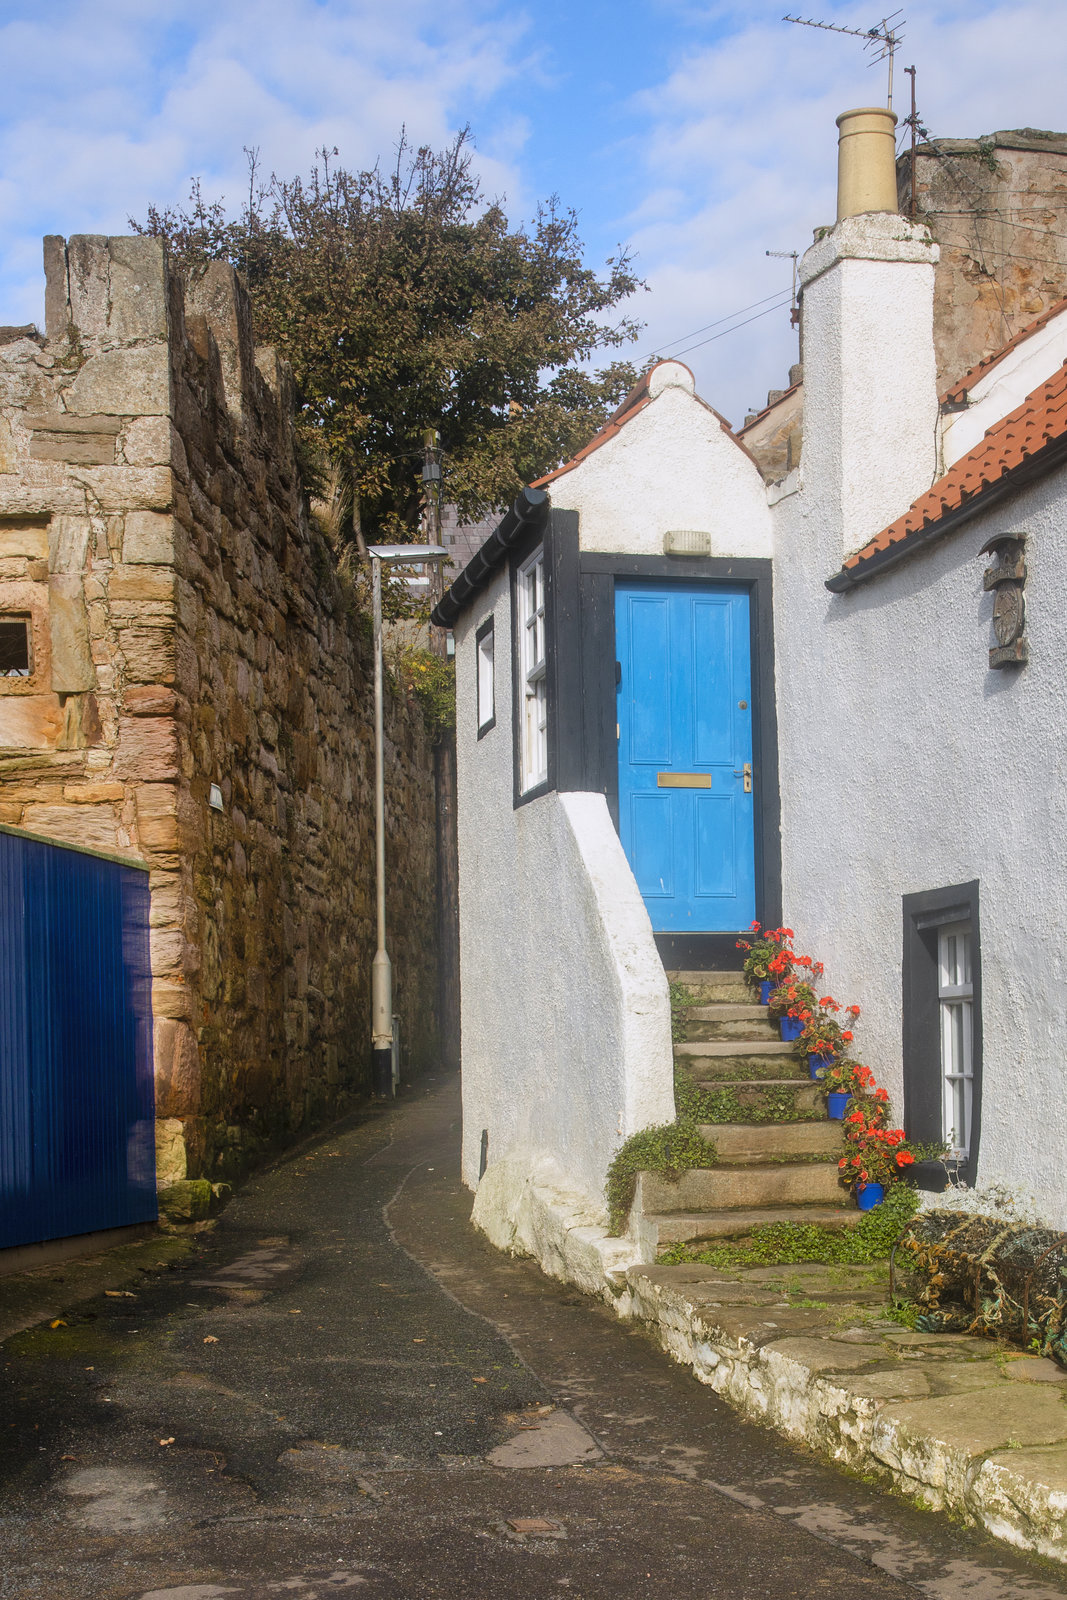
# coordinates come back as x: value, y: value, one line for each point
x: 343, y: 1389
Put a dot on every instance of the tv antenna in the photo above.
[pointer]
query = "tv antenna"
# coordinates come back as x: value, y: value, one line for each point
x: 884, y: 38
x: 793, y: 256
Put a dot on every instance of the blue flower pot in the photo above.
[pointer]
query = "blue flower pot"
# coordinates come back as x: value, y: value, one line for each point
x: 791, y: 1027
x: 765, y: 991
x: 869, y: 1195
x: 837, y: 1105
x: 816, y: 1064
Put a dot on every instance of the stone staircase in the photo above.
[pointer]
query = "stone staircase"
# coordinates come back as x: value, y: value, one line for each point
x: 767, y: 1171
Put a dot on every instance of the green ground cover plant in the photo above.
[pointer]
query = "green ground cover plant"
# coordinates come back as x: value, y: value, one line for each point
x: 671, y: 1149
x: 786, y: 1243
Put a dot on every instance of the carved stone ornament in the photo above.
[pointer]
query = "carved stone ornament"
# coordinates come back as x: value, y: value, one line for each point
x: 1007, y: 576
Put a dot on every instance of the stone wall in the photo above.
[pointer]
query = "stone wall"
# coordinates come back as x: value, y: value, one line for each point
x: 190, y: 629
x: 995, y: 205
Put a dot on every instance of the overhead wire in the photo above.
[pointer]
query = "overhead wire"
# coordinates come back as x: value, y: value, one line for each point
x: 682, y: 337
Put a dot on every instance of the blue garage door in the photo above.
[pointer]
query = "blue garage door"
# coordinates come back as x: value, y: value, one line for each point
x: 77, y: 1145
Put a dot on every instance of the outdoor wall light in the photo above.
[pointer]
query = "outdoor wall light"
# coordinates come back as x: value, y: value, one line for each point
x: 381, y: 977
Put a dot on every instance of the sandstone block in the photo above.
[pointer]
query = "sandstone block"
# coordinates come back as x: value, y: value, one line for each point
x: 138, y: 298
x: 169, y: 951
x: 8, y: 452
x: 91, y: 827
x: 152, y: 700
x: 175, y: 1000
x: 69, y: 539
x: 10, y: 812
x: 188, y: 1201
x: 121, y: 488
x: 150, y: 653
x: 79, y: 449
x: 147, y: 748
x: 30, y: 722
x: 85, y: 794
x: 28, y: 539
x: 148, y: 539
x: 56, y: 290
x: 87, y: 278
x: 171, y: 1165
x: 153, y: 442
x: 72, y: 661
x: 123, y: 383
x: 143, y: 583
x: 177, y: 1068
x: 157, y: 816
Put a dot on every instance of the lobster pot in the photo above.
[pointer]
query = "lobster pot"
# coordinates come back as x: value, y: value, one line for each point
x: 978, y: 1274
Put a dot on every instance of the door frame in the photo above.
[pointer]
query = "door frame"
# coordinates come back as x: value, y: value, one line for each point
x: 583, y: 752
x: 588, y: 753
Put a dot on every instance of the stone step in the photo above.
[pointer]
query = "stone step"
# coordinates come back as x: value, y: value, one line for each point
x: 658, y: 1230
x: 745, y: 1187
x: 742, y: 1143
x: 725, y: 1048
x: 754, y: 1092
x: 713, y: 986
x: 739, y: 1022
x: 740, y: 1066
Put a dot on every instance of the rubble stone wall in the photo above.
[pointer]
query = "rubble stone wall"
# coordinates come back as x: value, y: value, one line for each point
x: 995, y: 205
x: 190, y: 628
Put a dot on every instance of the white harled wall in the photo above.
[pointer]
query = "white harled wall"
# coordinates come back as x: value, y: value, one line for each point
x: 907, y: 763
x: 566, y: 1040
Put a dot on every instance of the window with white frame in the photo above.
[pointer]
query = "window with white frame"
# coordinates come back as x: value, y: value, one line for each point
x: 955, y: 996
x: 486, y: 677
x: 533, y: 688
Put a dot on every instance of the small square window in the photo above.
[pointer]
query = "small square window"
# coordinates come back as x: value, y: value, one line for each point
x: 486, y: 677
x: 16, y: 655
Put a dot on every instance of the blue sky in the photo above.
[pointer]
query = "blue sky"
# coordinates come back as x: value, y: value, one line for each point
x: 699, y: 134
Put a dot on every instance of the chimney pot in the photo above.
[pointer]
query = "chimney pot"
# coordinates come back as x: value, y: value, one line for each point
x: 866, y: 161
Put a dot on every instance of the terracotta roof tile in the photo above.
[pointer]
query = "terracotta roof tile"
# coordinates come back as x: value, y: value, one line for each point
x: 1038, y: 425
x: 958, y: 391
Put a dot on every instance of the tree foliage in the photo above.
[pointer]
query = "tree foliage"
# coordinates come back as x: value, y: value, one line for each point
x: 404, y: 302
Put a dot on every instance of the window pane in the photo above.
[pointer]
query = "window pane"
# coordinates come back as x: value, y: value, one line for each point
x: 486, y: 686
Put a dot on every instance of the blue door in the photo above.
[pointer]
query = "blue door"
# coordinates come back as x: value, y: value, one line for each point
x: 685, y: 752
x: 77, y: 1122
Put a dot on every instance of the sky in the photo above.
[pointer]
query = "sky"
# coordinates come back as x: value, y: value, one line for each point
x: 695, y: 133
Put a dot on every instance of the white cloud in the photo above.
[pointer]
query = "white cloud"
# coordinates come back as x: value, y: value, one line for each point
x: 110, y: 104
x: 738, y: 148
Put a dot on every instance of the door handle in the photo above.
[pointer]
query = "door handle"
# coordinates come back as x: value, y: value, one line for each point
x: 746, y: 773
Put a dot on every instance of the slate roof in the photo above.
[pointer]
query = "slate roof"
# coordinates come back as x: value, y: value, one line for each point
x: 1025, y: 444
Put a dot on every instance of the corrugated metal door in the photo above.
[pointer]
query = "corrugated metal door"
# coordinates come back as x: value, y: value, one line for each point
x: 77, y: 1144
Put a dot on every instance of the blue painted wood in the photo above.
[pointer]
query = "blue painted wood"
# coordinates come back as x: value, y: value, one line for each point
x: 77, y: 1120
x: 685, y: 657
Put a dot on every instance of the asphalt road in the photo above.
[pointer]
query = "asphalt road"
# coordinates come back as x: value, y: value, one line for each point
x: 344, y: 1389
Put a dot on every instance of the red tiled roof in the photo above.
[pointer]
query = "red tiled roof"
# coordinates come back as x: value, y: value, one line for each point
x: 958, y: 390
x: 1027, y: 442
x: 636, y: 400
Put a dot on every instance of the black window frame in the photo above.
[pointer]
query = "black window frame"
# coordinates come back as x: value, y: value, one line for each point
x: 925, y: 913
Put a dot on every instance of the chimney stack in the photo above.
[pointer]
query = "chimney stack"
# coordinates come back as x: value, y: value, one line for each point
x: 866, y: 162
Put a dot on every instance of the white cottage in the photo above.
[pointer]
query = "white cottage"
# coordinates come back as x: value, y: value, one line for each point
x: 687, y: 700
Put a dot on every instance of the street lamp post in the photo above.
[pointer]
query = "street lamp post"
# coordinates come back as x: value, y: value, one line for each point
x: 381, y: 978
